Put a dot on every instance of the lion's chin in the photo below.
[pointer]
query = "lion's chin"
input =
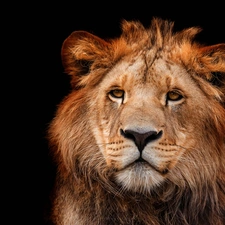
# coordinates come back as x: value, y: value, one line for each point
x: 139, y: 177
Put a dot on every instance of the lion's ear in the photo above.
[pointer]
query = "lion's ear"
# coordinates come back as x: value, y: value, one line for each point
x: 211, y: 64
x: 81, y: 53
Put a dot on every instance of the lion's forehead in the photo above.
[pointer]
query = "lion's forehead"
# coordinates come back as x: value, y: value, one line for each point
x: 137, y: 72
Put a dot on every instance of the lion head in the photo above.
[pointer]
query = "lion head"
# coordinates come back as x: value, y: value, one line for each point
x: 144, y: 122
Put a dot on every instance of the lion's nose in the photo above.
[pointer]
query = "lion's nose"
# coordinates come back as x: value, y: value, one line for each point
x: 141, y: 139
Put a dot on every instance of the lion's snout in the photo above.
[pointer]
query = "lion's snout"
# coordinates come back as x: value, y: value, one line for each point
x: 141, y: 139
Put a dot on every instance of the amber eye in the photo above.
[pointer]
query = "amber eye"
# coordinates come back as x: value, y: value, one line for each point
x: 173, y: 96
x: 117, y: 93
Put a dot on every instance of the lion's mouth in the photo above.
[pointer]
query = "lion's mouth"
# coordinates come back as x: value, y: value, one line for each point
x: 141, y: 163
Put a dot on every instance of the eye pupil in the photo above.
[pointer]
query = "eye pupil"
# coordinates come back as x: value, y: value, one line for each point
x: 117, y: 93
x: 174, y: 96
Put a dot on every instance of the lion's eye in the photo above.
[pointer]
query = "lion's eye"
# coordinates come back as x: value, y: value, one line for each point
x: 117, y: 93
x: 173, y: 96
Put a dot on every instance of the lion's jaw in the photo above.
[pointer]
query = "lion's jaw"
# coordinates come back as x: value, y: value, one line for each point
x: 141, y: 170
x: 138, y: 136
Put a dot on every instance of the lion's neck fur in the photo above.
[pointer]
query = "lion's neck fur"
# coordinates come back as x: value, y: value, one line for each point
x: 179, y: 201
x: 171, y: 204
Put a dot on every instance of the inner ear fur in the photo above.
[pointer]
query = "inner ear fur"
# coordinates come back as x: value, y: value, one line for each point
x: 211, y: 64
x: 81, y: 53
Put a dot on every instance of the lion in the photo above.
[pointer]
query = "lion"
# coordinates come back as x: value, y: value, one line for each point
x: 140, y: 137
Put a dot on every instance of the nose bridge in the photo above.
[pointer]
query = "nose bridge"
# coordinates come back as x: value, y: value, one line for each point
x: 145, y: 98
x: 142, y: 119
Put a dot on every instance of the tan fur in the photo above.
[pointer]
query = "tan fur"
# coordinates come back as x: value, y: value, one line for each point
x: 140, y: 140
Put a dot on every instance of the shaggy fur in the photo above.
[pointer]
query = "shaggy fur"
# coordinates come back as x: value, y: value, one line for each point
x: 140, y: 140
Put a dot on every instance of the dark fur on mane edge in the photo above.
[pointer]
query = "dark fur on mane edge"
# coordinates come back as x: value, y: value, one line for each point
x: 193, y: 194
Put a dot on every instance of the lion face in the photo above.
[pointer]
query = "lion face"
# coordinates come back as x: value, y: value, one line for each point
x: 143, y: 101
x: 146, y: 118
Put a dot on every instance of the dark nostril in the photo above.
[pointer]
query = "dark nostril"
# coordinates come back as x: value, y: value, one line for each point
x: 141, y: 139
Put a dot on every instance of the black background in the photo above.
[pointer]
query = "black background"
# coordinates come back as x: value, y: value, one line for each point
x: 37, y: 83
